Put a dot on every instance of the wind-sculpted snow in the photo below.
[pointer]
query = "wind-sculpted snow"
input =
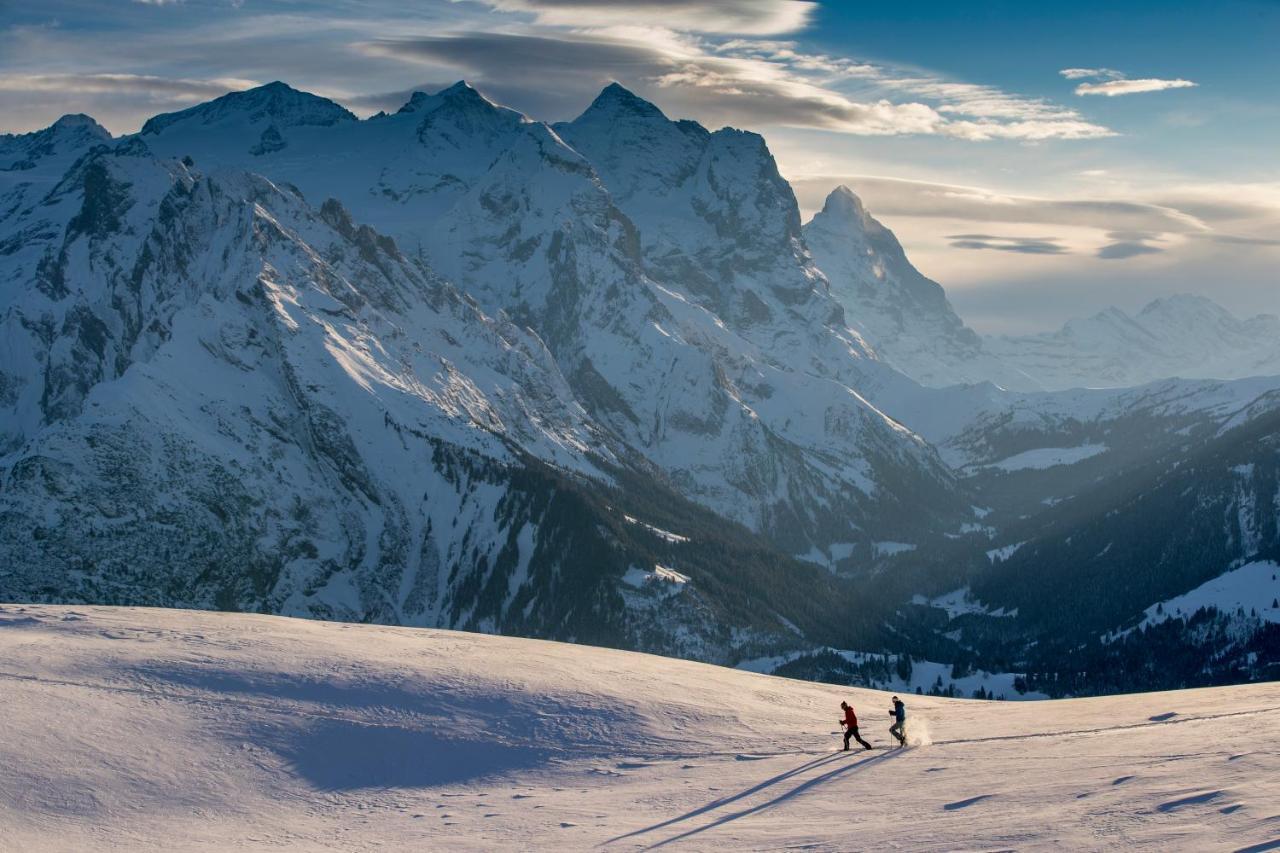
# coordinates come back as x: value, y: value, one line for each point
x: 133, y: 729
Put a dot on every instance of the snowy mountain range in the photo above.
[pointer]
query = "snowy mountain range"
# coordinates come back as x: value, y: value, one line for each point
x: 456, y: 367
x: 1187, y: 336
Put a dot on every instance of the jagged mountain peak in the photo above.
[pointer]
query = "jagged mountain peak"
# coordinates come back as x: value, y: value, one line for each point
x: 617, y: 101
x: 844, y: 201
x: 844, y: 213
x: 904, y: 315
x: 276, y: 102
x: 461, y: 95
x: 845, y: 219
x: 80, y: 122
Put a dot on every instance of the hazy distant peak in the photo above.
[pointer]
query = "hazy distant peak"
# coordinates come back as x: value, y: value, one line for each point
x: 843, y: 201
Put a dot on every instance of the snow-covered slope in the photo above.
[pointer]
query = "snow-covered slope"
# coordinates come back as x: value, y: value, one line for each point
x: 1187, y: 336
x: 904, y: 316
x: 126, y: 729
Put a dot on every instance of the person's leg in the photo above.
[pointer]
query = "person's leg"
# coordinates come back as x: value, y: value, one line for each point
x: 848, y: 733
x: 858, y: 737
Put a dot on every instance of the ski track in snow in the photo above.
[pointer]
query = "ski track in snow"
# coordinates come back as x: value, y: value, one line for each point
x: 135, y: 729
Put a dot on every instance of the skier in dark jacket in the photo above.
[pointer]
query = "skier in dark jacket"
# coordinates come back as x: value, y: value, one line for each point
x: 850, y: 723
x: 899, y: 713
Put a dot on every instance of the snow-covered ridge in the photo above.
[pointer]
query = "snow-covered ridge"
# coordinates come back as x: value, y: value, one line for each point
x: 143, y: 729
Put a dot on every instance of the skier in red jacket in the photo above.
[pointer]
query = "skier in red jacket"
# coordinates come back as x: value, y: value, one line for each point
x: 850, y: 723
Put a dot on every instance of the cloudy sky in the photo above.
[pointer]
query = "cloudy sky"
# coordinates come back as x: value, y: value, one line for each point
x: 1040, y: 160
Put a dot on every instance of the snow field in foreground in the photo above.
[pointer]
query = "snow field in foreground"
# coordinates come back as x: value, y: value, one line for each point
x: 135, y: 729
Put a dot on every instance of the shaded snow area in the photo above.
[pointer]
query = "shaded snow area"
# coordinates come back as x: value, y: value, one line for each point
x: 1045, y: 457
x: 889, y: 549
x: 1253, y: 588
x: 961, y: 602
x: 135, y: 729
x: 662, y: 580
x: 1004, y: 552
x: 664, y: 535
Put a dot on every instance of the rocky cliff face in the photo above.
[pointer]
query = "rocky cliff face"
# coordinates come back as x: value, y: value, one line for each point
x: 903, y: 316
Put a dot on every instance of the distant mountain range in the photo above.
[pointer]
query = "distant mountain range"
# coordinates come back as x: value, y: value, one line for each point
x: 594, y: 381
x: 1187, y: 336
x: 906, y: 319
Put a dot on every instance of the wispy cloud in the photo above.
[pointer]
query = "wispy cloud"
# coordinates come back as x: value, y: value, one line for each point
x: 1111, y: 83
x: 1129, y: 244
x: 168, y: 89
x: 1111, y: 88
x: 1087, y: 73
x: 742, y: 17
x: 771, y: 82
x: 894, y: 197
x: 1019, y: 245
x: 965, y: 110
x: 1126, y: 249
x: 668, y: 67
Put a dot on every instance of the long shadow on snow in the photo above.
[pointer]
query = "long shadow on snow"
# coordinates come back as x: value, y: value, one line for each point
x: 340, y: 755
x: 361, y: 732
x: 781, y: 798
x: 724, y: 801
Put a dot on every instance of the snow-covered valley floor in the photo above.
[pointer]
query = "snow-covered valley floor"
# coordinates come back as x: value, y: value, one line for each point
x: 137, y: 729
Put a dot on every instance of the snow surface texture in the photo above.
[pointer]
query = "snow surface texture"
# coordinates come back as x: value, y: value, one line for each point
x: 136, y: 729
